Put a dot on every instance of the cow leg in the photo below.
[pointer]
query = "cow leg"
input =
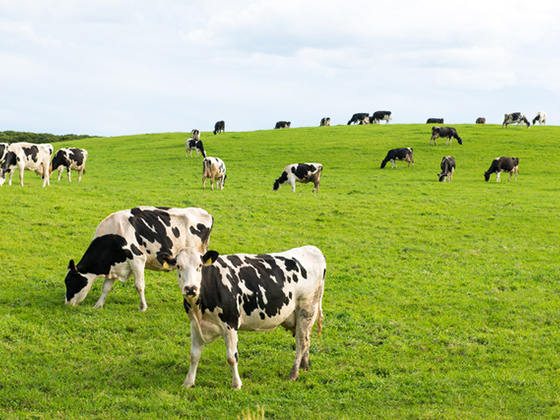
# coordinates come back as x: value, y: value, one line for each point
x: 80, y: 172
x: 196, y: 350
x: 137, y: 267
x: 232, y: 356
x: 498, y: 176
x: 107, y: 285
x: 69, y: 177
x: 59, y: 174
x: 305, y: 319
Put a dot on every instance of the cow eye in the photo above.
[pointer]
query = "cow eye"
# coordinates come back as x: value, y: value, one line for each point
x: 179, y: 267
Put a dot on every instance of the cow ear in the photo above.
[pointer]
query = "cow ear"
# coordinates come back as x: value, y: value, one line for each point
x: 167, y: 260
x: 71, y: 266
x: 210, y: 257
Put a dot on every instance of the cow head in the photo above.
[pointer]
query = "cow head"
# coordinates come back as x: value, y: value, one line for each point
x: 77, y: 284
x: 188, y: 263
x: 487, y: 176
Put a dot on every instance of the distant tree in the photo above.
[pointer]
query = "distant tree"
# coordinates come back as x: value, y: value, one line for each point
x: 18, y: 136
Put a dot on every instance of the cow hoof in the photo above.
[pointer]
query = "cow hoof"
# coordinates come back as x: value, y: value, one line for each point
x: 143, y: 308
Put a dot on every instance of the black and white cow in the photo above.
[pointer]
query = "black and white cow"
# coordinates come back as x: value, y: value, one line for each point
x: 447, y: 169
x: 300, y: 172
x: 434, y: 121
x: 404, y: 153
x: 540, y: 118
x: 26, y: 156
x: 215, y: 169
x: 223, y: 294
x: 194, y: 143
x: 71, y: 159
x: 282, y: 124
x: 515, y: 118
x: 325, y: 122
x: 360, y: 118
x: 503, y: 164
x: 219, y: 127
x: 449, y: 133
x: 380, y: 115
x: 128, y: 241
x: 481, y: 120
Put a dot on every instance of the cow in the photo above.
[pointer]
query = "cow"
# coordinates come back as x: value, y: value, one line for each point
x: 360, y: 118
x: 325, y: 122
x: 128, y: 241
x: 215, y: 169
x: 516, y: 117
x: 447, y: 169
x: 71, y: 159
x: 541, y: 118
x: 26, y: 156
x: 434, y: 121
x: 3, y: 151
x: 223, y: 294
x: 194, y: 143
x: 219, y: 127
x: 380, y: 115
x: 404, y: 153
x: 481, y: 120
x: 503, y: 164
x: 449, y: 133
x: 300, y: 172
x: 282, y: 124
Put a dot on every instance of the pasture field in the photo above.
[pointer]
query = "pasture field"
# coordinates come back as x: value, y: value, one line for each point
x: 442, y: 300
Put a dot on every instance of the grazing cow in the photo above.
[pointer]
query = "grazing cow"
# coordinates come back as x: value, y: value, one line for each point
x: 215, y: 169
x: 380, y: 115
x: 541, y: 118
x: 128, y: 241
x: 449, y: 133
x: 516, y: 117
x: 434, y: 121
x: 26, y: 156
x: 481, y: 120
x: 219, y: 127
x: 300, y: 172
x: 404, y: 153
x: 503, y: 164
x: 194, y: 143
x: 71, y: 159
x: 325, y: 122
x: 360, y: 118
x: 282, y: 124
x: 225, y: 294
x: 447, y: 169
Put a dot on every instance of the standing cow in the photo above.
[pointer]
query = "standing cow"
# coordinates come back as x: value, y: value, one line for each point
x: 360, y: 118
x: 215, y: 169
x: 515, y: 118
x: 225, y: 294
x: 300, y: 172
x: 26, y: 156
x: 540, y: 118
x: 503, y: 164
x: 404, y: 153
x: 128, y: 241
x: 219, y: 127
x: 449, y: 133
x: 447, y: 169
x: 282, y: 124
x: 378, y: 116
x: 434, y: 121
x: 194, y: 143
x: 71, y: 159
x: 481, y: 120
x: 325, y: 122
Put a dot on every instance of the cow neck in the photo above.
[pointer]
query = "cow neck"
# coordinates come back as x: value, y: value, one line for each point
x: 195, y: 315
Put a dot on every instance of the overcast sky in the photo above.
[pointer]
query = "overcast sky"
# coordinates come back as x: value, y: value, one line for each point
x: 113, y: 67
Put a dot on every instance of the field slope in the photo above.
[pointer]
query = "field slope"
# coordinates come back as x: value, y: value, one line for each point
x: 442, y: 300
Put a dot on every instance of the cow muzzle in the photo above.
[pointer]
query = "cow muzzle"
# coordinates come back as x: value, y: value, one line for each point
x: 190, y: 291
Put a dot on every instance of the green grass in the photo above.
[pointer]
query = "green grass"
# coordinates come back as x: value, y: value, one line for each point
x: 441, y: 300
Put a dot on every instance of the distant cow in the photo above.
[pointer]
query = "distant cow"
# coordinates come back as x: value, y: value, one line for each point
x: 447, y: 169
x: 225, y: 294
x: 503, y: 164
x: 300, y: 172
x: 404, y: 153
x: 195, y: 134
x: 540, y: 118
x: 481, y: 120
x: 434, y: 121
x: 449, y: 133
x: 194, y: 143
x: 516, y: 117
x: 282, y: 124
x: 128, y: 241
x: 215, y: 169
x: 325, y: 122
x: 219, y: 127
x: 360, y: 118
x: 71, y: 159
x: 380, y: 115
x: 26, y: 156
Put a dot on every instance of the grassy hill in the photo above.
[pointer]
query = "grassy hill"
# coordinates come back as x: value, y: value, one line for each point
x: 442, y: 300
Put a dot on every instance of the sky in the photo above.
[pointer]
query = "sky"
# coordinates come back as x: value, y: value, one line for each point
x: 123, y: 67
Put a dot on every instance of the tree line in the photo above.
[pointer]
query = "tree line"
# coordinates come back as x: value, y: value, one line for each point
x: 18, y: 136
